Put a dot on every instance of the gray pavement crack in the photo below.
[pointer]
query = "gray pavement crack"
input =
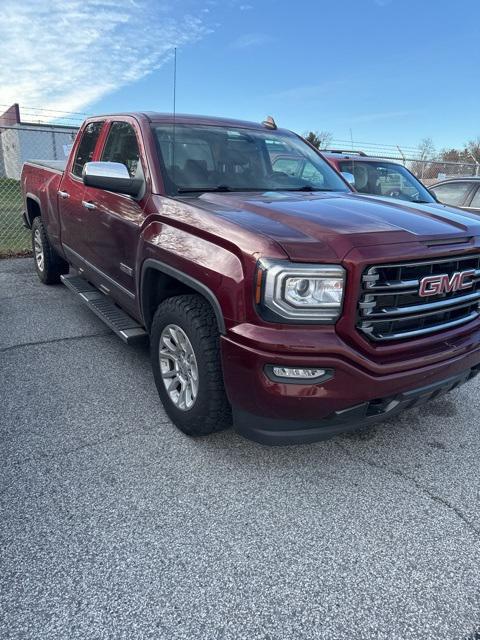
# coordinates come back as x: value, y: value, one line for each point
x: 80, y: 447
x: 418, y: 485
x: 65, y: 452
x: 23, y: 345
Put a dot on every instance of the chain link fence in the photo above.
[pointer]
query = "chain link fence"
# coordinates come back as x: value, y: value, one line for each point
x: 23, y: 142
x: 428, y: 170
x: 431, y: 171
x: 18, y: 144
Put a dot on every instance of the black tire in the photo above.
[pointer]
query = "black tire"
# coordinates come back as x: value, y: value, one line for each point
x: 211, y: 411
x: 52, y: 266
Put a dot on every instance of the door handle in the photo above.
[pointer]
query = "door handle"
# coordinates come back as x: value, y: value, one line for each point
x: 63, y: 194
x: 88, y: 205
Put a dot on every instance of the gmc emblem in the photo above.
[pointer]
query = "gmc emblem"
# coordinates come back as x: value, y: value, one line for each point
x: 435, y: 285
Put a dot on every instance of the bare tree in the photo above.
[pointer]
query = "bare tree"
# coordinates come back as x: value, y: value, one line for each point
x: 426, y: 149
x: 426, y: 152
x: 319, y: 139
x: 473, y: 149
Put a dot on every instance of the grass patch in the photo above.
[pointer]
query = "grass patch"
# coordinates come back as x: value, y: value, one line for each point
x: 14, y: 238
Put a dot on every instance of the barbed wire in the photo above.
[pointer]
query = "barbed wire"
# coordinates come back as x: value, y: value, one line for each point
x: 51, y: 139
x: 377, y: 145
x: 396, y: 150
x: 51, y: 116
x: 22, y: 108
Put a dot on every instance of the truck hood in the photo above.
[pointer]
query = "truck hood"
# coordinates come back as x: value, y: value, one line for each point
x: 322, y: 225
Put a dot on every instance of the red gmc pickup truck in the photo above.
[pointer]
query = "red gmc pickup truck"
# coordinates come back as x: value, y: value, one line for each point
x: 274, y: 297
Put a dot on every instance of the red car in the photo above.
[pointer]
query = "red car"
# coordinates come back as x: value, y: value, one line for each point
x: 275, y: 299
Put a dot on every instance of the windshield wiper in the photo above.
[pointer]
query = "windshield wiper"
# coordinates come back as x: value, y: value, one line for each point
x: 224, y: 188
x: 220, y: 188
x: 305, y: 187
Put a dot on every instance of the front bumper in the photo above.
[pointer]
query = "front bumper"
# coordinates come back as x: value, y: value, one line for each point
x: 273, y: 412
x: 284, y: 432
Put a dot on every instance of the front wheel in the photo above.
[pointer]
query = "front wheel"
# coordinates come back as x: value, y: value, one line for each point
x: 48, y: 264
x: 185, y: 353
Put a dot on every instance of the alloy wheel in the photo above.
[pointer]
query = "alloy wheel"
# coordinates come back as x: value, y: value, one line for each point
x: 178, y: 367
x: 38, y: 249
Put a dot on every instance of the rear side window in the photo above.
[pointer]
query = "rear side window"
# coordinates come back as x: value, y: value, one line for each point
x: 475, y: 203
x: 86, y: 147
x: 290, y: 166
x: 122, y: 146
x: 298, y: 167
x: 453, y: 193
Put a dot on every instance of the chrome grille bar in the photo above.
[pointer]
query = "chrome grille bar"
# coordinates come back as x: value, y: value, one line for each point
x: 415, y: 333
x: 390, y: 307
x: 374, y: 312
x: 399, y: 284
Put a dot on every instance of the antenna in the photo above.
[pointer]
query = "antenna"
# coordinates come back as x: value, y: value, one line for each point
x: 174, y: 108
x: 353, y: 159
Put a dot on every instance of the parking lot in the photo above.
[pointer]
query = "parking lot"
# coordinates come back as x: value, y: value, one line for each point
x: 113, y: 524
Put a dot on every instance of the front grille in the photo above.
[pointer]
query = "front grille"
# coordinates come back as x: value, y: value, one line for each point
x: 390, y: 307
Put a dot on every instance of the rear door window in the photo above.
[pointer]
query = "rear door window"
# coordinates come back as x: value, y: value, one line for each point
x: 298, y: 168
x: 290, y: 166
x: 475, y: 203
x: 86, y: 147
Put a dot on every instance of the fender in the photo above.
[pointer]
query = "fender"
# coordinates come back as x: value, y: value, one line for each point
x: 31, y: 196
x: 151, y: 263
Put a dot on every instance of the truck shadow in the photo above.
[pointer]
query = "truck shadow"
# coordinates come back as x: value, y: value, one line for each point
x: 416, y: 429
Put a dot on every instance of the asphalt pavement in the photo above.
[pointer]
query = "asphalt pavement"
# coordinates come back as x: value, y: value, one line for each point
x: 114, y: 525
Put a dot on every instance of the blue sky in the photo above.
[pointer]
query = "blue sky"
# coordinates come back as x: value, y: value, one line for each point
x: 392, y: 71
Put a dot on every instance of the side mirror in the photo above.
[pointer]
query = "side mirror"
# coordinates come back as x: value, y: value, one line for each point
x: 111, y: 176
x: 349, y: 177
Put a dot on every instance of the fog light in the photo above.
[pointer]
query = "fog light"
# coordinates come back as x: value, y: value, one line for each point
x: 288, y: 372
x: 297, y: 374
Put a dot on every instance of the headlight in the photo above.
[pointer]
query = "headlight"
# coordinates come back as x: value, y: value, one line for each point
x: 301, y: 292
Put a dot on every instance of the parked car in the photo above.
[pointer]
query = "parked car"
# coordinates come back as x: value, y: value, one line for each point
x: 459, y: 192
x: 379, y: 177
x: 286, y: 303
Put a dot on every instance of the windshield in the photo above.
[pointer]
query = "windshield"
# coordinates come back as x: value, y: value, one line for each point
x: 216, y: 158
x: 386, y: 179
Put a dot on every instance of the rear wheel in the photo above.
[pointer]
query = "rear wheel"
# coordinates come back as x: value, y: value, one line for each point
x: 185, y: 354
x: 48, y: 264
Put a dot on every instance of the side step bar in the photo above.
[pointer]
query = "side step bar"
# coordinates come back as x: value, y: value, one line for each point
x: 120, y: 322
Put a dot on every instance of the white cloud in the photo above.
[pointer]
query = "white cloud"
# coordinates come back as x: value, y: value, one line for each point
x: 251, y: 40
x: 384, y: 115
x: 307, y: 92
x: 66, y: 54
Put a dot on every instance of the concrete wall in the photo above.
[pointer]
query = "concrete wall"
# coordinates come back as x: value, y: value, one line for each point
x: 10, y: 150
x: 2, y: 165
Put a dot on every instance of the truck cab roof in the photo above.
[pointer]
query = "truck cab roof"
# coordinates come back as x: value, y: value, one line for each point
x: 156, y: 117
